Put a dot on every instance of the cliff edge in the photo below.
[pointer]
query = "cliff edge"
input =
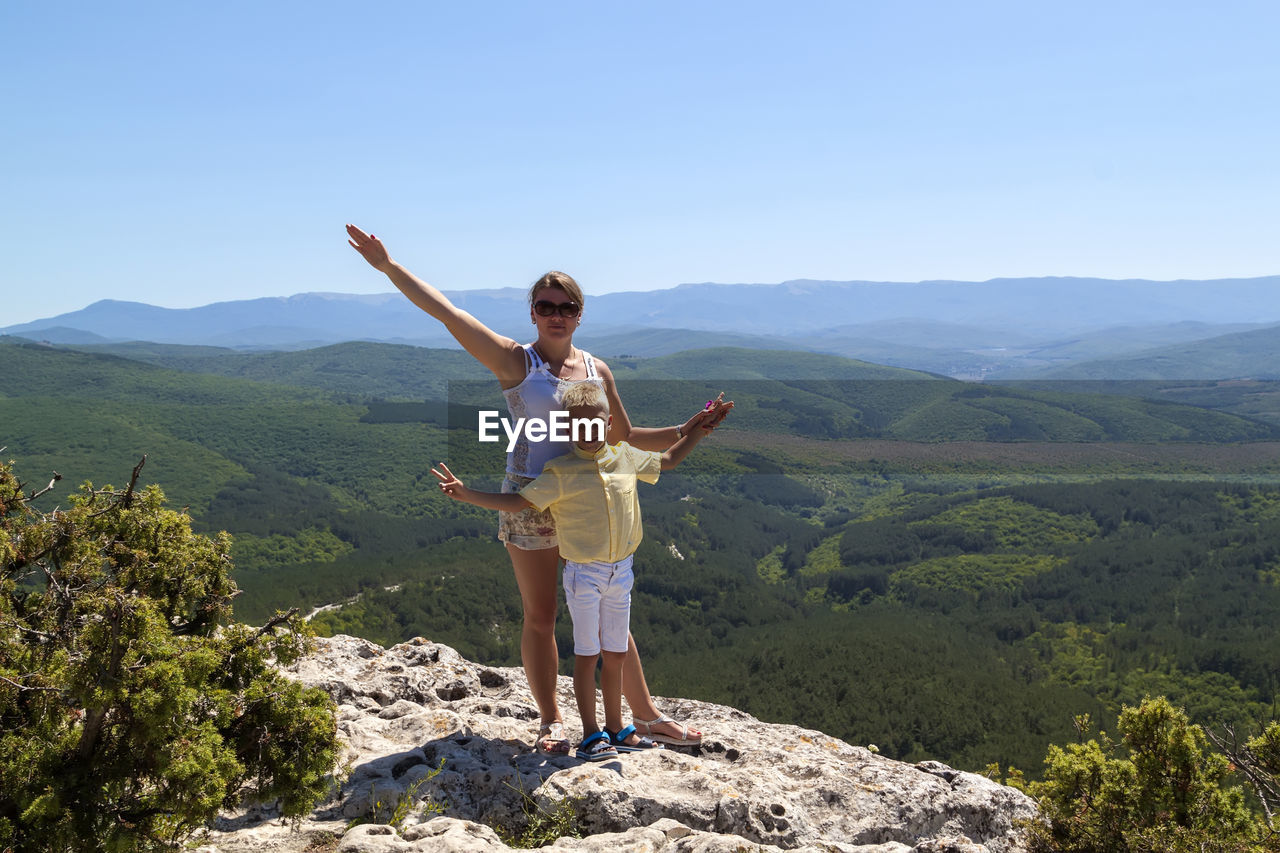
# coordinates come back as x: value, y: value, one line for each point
x: 407, y: 711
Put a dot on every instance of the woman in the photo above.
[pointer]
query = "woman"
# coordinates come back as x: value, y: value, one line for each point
x: 530, y: 376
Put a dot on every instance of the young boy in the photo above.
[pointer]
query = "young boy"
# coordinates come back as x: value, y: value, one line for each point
x: 591, y: 492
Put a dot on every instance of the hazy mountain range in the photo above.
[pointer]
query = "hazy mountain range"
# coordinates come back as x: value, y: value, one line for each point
x: 1000, y: 328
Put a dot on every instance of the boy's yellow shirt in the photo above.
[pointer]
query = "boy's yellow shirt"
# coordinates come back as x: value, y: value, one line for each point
x: 592, y: 497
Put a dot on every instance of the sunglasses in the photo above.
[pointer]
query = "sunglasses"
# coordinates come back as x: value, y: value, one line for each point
x: 569, y: 310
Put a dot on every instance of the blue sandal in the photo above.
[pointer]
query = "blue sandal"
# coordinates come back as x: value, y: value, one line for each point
x: 619, y: 741
x: 597, y: 747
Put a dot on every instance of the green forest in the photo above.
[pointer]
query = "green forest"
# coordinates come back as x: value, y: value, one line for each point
x: 947, y: 570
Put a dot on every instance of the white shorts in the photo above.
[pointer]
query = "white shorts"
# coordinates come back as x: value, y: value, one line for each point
x: 599, y: 599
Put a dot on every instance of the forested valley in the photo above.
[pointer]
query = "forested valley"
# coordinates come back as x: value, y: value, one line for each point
x: 946, y: 570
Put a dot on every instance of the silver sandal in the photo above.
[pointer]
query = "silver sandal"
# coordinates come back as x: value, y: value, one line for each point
x: 683, y: 740
x: 551, y: 739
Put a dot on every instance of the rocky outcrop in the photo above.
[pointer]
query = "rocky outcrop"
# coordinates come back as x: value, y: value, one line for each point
x: 442, y: 748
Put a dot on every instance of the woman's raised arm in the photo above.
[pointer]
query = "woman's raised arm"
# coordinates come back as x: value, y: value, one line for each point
x: 655, y: 438
x: 497, y: 352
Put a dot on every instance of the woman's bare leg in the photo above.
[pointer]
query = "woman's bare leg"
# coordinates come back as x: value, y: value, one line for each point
x: 537, y: 576
x: 636, y: 689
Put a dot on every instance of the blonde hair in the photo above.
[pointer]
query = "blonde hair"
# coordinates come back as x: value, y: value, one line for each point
x: 562, y: 280
x: 585, y: 393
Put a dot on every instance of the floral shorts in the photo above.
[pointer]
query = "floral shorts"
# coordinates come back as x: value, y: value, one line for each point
x: 529, y: 529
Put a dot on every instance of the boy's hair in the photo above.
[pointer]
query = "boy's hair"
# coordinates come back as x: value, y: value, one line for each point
x: 585, y: 393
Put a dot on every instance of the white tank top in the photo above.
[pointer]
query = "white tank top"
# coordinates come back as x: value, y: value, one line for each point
x: 537, y: 397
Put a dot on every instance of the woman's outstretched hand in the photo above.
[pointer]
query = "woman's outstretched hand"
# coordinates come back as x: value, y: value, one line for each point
x: 369, y: 247
x: 710, y: 416
x: 717, y: 410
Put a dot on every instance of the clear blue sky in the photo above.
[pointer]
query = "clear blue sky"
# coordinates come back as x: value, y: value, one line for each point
x: 185, y: 153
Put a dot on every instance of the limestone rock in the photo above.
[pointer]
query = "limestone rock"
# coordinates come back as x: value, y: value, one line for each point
x: 422, y: 725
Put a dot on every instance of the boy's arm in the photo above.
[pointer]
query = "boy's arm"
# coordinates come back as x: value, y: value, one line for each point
x: 454, y: 488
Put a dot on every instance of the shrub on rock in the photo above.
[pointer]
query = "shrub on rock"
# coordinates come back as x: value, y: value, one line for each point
x: 131, y: 709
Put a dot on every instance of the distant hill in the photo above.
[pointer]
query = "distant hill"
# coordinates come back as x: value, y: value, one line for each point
x: 969, y: 330
x: 799, y: 394
x: 358, y: 368
x: 1036, y: 307
x: 307, y: 319
x: 401, y: 372
x: 698, y: 363
x: 64, y: 335
x: 981, y: 353
x: 1111, y: 344
x: 651, y: 342
x: 1252, y: 354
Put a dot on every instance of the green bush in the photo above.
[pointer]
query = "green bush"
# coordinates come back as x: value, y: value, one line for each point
x: 131, y: 712
x: 1161, y: 788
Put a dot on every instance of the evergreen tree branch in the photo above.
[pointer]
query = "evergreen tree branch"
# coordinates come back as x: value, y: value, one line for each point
x: 26, y: 687
x: 1265, y: 786
x: 133, y: 481
x: 46, y: 489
